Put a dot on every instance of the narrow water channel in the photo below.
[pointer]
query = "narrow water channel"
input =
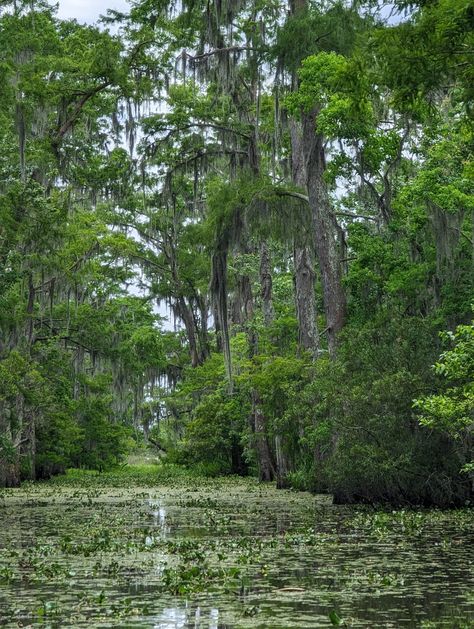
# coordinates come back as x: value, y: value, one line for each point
x: 114, y: 552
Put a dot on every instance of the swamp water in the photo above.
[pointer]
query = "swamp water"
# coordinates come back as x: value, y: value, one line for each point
x: 155, y: 549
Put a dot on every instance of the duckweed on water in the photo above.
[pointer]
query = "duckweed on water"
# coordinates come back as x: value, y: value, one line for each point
x: 156, y: 547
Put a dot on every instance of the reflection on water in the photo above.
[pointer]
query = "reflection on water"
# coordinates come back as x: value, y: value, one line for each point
x: 227, y: 554
x: 158, y: 511
x: 187, y: 616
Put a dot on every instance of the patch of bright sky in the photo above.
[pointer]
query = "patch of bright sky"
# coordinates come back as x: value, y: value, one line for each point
x: 89, y: 10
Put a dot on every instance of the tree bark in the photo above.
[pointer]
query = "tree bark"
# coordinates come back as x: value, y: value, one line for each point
x: 266, y: 285
x: 9, y: 456
x: 304, y: 278
x: 28, y: 446
x: 217, y: 327
x: 257, y: 419
x: 188, y: 320
x: 325, y: 230
x: 203, y: 333
x: 308, y: 338
x: 282, y: 467
x: 240, y: 310
x: 219, y: 294
x: 324, y: 224
x: 266, y: 471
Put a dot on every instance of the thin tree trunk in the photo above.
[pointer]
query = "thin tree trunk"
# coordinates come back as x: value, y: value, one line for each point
x: 219, y: 294
x: 266, y: 471
x: 204, y: 344
x: 28, y: 447
x: 9, y: 456
x: 257, y: 419
x: 188, y: 320
x: 282, y: 467
x: 217, y: 327
x: 266, y: 285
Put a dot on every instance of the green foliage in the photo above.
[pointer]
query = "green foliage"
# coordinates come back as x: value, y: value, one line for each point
x: 64, y: 312
x: 313, y: 30
x: 215, y: 420
x: 104, y: 443
x: 206, y: 212
x: 357, y: 416
x: 451, y: 411
x: 429, y: 52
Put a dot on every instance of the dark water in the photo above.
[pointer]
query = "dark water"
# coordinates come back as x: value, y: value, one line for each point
x: 226, y: 553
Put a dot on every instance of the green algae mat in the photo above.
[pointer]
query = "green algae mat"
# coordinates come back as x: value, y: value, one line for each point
x: 156, y: 547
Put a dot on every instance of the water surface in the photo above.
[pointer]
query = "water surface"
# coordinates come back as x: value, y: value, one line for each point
x: 178, y: 552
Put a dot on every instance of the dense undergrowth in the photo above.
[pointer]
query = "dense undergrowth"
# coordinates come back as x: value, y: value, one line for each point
x: 137, y: 475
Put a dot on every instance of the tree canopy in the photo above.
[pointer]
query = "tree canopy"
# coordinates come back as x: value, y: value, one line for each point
x: 242, y: 230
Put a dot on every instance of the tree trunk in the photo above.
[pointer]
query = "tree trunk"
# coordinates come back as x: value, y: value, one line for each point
x: 187, y: 316
x: 306, y: 312
x: 9, y: 455
x: 257, y: 419
x: 282, y: 467
x: 308, y: 338
x: 217, y: 327
x: 240, y: 304
x: 327, y: 235
x: 219, y: 294
x: 266, y: 471
x: 325, y: 230
x: 201, y: 326
x: 204, y: 345
x: 9, y: 472
x: 28, y: 447
x: 266, y: 285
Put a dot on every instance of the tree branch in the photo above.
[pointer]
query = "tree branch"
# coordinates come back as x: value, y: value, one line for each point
x: 205, y: 125
x: 216, y: 51
x: 190, y: 160
x: 70, y: 120
x: 303, y: 197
